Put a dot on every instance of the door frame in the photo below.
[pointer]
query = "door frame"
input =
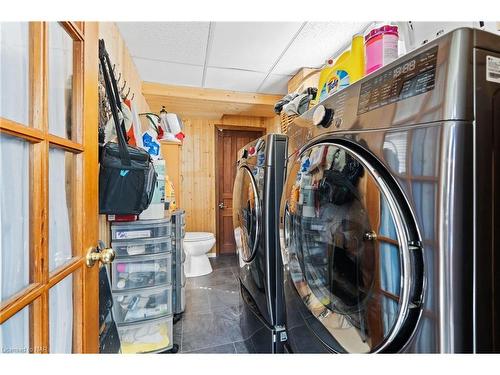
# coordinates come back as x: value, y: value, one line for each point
x: 219, y: 129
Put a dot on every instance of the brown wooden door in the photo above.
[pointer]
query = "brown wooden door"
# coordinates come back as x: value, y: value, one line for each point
x: 228, y: 144
x: 49, y: 168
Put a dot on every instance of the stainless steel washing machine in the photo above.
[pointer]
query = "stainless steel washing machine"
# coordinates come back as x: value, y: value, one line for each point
x: 256, y: 203
x: 389, y: 217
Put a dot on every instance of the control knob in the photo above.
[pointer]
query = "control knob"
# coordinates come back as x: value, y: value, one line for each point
x: 322, y: 116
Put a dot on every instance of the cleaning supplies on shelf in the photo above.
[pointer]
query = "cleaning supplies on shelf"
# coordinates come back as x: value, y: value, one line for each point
x: 151, y: 144
x: 170, y: 204
x: 347, y: 69
x: 156, y: 209
x: 381, y: 47
x: 172, y: 124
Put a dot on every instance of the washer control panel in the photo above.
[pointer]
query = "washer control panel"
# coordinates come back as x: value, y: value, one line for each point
x: 408, y: 79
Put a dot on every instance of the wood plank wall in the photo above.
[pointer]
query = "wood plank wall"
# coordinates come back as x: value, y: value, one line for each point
x: 120, y: 55
x: 198, y: 168
x: 198, y: 151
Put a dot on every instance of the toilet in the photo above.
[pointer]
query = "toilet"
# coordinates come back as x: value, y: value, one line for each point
x: 196, y: 246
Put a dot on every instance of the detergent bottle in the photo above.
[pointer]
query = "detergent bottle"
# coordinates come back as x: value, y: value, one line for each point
x: 347, y: 69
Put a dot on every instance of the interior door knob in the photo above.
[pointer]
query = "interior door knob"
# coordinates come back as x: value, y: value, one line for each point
x: 370, y: 236
x: 221, y: 205
x: 100, y: 253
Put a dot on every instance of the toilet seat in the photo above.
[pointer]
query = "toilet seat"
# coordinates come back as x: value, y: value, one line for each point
x: 198, y: 236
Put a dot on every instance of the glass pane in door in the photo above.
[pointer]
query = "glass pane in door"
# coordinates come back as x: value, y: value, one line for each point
x: 14, y: 215
x: 60, y: 81
x: 61, y: 204
x: 14, y: 70
x: 15, y: 333
x: 61, y: 316
x: 343, y: 243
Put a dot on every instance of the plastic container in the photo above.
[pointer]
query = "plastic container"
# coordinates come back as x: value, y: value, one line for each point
x: 142, y: 247
x: 146, y: 337
x: 347, y: 69
x: 141, y: 229
x: 156, y: 209
x: 143, y: 304
x: 122, y: 218
x: 381, y: 47
x: 152, y: 270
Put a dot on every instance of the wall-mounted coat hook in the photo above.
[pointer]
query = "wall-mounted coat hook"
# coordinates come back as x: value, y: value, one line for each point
x: 119, y: 77
x: 127, y: 94
x: 132, y: 97
x: 123, y: 87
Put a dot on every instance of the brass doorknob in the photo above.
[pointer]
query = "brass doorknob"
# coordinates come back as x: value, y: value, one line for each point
x: 370, y: 236
x: 100, y: 253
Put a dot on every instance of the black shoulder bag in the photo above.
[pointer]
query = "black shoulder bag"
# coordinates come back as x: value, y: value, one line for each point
x: 126, y: 176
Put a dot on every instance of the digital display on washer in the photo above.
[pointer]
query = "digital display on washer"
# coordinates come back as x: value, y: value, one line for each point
x: 413, y: 77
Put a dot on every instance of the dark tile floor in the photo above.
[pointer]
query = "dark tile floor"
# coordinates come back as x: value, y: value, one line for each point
x: 211, y: 321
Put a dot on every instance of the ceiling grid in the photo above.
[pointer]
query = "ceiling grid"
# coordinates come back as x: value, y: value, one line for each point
x: 239, y: 56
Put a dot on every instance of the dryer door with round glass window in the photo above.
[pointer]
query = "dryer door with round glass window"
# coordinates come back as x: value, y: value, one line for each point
x: 348, y: 249
x: 246, y: 213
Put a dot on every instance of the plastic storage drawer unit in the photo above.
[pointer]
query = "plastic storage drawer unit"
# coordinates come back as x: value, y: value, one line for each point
x: 142, y: 247
x: 142, y: 304
x: 146, y: 337
x: 141, y: 229
x: 141, y: 272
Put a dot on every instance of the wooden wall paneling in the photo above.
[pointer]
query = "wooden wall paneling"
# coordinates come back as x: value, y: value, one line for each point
x: 186, y: 168
x: 198, y: 168
x: 273, y: 124
x: 171, y: 152
x: 207, y: 103
x: 305, y: 77
x: 120, y: 55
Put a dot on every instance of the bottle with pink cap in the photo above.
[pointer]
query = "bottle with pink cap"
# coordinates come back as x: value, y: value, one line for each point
x: 381, y: 47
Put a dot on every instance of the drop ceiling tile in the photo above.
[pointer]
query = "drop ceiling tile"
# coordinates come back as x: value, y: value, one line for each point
x: 233, y: 79
x: 169, y: 73
x: 180, y: 42
x: 250, y: 45
x: 275, y: 84
x: 317, y: 42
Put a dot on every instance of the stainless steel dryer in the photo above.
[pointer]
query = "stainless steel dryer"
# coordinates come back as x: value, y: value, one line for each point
x: 256, y: 202
x: 389, y: 218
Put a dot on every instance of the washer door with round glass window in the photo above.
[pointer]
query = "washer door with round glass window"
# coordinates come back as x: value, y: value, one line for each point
x: 351, y: 250
x: 246, y: 214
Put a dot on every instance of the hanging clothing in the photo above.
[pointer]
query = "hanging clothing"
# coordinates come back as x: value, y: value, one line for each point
x: 136, y: 123
x: 129, y: 122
